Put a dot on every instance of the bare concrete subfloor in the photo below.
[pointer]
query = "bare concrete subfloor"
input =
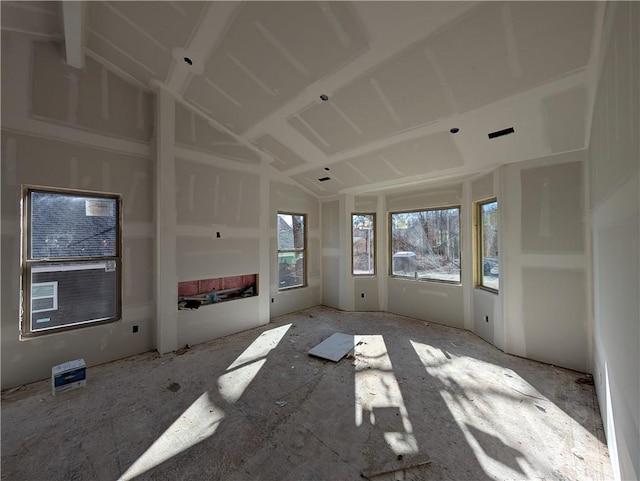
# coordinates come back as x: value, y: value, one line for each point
x: 255, y: 406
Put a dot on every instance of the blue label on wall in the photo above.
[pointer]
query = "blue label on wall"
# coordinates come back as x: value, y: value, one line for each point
x: 43, y: 319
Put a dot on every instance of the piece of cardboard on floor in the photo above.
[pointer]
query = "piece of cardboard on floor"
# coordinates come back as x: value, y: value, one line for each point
x: 405, y: 462
x: 334, y: 348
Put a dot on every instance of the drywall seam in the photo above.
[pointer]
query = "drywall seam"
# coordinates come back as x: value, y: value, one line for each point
x: 209, y: 231
x: 183, y: 152
x: 104, y: 93
x: 382, y: 252
x: 601, y: 35
x: 166, y: 221
x: 500, y: 314
x: 73, y: 172
x: 10, y: 161
x: 74, y: 92
x: 140, y: 110
x: 106, y: 176
x: 265, y: 236
x: 466, y: 256
x: 47, y: 130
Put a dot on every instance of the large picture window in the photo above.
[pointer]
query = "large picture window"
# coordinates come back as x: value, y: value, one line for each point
x: 425, y: 244
x: 71, y: 264
x: 363, y: 259
x: 487, y: 267
x: 292, y: 247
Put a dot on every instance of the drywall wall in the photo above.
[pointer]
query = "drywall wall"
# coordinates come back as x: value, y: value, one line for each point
x: 366, y: 294
x: 92, y: 98
x: 485, y: 305
x: 426, y: 300
x: 290, y: 198
x: 543, y: 241
x: 92, y: 147
x: 218, y: 234
x: 614, y: 161
x: 331, y: 253
x: 366, y: 288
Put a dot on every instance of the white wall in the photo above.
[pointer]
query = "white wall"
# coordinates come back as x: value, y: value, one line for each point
x: 486, y: 306
x: 331, y: 253
x: 613, y: 163
x: 84, y: 130
x: 544, y: 279
x: 290, y: 198
x: 368, y: 286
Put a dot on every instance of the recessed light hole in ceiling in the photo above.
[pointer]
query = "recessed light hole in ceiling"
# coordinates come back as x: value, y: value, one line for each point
x: 324, y: 97
x: 327, y: 168
x: 188, y: 60
x: 324, y: 179
x: 454, y: 130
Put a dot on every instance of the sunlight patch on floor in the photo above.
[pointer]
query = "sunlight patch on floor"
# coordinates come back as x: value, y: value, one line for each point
x: 505, y: 420
x: 377, y: 392
x: 247, y: 365
x: 202, y: 418
x: 196, y: 424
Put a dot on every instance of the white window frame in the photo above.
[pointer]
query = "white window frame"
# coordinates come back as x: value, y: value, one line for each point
x: 54, y: 296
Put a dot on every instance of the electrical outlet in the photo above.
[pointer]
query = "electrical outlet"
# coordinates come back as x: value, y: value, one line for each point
x: 135, y: 328
x: 273, y: 299
x: 218, y: 235
x: 486, y: 318
x: 362, y: 295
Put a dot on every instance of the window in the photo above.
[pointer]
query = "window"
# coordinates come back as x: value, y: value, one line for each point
x: 71, y: 264
x: 487, y: 272
x: 425, y: 245
x: 363, y: 259
x: 292, y: 246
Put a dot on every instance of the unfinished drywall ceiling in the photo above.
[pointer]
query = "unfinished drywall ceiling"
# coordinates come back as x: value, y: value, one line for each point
x: 195, y: 132
x: 369, y: 89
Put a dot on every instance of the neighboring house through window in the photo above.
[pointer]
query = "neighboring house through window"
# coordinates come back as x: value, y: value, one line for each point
x: 292, y: 250
x: 71, y: 260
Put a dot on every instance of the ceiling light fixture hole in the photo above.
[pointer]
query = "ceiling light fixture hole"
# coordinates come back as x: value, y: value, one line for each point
x: 188, y: 61
x: 327, y: 168
x: 324, y: 97
x: 454, y: 130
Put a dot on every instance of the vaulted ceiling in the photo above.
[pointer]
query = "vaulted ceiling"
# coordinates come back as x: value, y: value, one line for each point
x: 365, y: 93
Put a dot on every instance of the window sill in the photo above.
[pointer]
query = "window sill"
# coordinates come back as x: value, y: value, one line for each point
x: 488, y: 289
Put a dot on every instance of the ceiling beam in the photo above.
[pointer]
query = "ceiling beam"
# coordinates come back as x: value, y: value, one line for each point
x: 212, y: 26
x: 73, y: 20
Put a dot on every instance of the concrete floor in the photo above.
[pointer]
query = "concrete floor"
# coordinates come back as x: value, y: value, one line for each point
x: 255, y: 406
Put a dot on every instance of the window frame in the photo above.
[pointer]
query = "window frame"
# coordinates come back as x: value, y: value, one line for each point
x: 373, y: 244
x: 479, y: 246
x: 28, y: 262
x: 425, y: 209
x: 304, y: 251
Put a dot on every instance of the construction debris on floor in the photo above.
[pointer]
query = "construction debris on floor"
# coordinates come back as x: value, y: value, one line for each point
x: 256, y: 406
x: 334, y: 347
